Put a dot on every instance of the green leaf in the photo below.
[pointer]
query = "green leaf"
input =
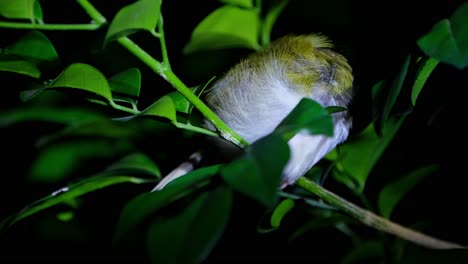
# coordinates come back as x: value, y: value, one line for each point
x: 135, y: 163
x: 226, y: 27
x: 18, y: 9
x: 35, y: 47
x: 280, y: 211
x: 395, y: 89
x: 386, y: 95
x: 278, y: 214
x: 424, y: 71
x: 378, y: 99
x: 141, y: 207
x: 393, y: 192
x: 257, y: 173
x: 38, y: 12
x: 308, y: 114
x: 448, y: 39
x: 67, y: 116
x: 164, y: 107
x: 73, y: 191
x: 360, y: 154
x: 190, y: 235
x: 125, y: 86
x: 78, y: 76
x: 57, y: 162
x: 19, y: 66
x: 141, y: 15
x: 240, y: 3
x: 181, y: 103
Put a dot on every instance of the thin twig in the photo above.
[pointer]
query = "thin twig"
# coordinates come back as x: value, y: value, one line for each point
x: 370, y: 219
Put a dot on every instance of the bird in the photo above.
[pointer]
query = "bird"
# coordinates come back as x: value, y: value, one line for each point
x: 258, y: 92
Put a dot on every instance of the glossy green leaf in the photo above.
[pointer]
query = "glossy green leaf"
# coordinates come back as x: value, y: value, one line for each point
x: 135, y: 163
x: 257, y: 173
x: 127, y: 82
x: 68, y: 116
x: 164, y: 107
x: 56, y: 162
x: 143, y: 206
x: 280, y: 211
x: 34, y: 46
x: 125, y: 86
x: 226, y: 27
x: 360, y: 154
x: 19, y: 66
x: 424, y: 71
x: 309, y: 115
x: 77, y: 76
x: 190, y: 235
x: 395, y: 89
x: 240, y: 3
x: 385, y: 95
x: 18, y: 9
x: 378, y: 99
x: 448, y: 39
x: 38, y: 12
x: 73, y: 191
x: 393, y: 192
x: 181, y: 103
x: 85, y: 77
x: 141, y: 15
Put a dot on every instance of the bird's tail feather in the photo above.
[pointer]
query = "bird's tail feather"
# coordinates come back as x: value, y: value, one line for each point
x: 184, y: 168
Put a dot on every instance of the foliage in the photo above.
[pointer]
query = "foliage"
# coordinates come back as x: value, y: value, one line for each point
x: 88, y: 127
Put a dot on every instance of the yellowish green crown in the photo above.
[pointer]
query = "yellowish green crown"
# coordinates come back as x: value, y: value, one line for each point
x: 311, y: 62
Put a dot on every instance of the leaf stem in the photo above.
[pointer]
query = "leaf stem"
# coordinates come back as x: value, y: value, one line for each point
x: 141, y: 54
x: 177, y: 124
x: 162, y: 40
x: 123, y: 108
x: 97, y: 17
x: 195, y: 129
x: 370, y: 219
x: 18, y: 25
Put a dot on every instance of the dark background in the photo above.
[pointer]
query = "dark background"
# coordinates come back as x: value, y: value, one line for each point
x: 375, y: 36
